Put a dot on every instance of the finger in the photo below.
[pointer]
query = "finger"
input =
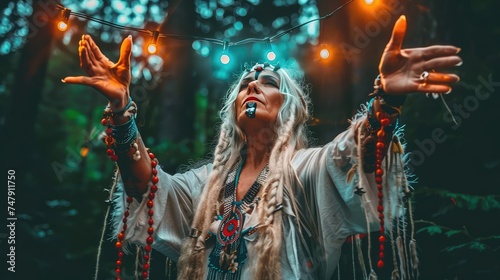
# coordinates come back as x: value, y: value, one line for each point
x: 94, y: 48
x: 443, y: 62
x: 81, y: 80
x: 441, y: 78
x: 439, y: 51
x: 434, y: 88
x: 84, y: 58
x: 398, y: 35
x: 92, y: 58
x: 125, y: 52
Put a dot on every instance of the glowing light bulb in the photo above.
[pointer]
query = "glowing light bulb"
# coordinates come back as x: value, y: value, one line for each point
x: 62, y: 26
x: 369, y: 2
x: 152, y: 48
x: 224, y: 59
x: 271, y: 56
x: 324, y: 53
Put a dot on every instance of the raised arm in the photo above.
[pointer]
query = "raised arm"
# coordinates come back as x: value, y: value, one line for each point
x: 112, y: 80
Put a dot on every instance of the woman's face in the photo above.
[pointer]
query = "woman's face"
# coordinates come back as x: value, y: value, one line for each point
x: 261, y: 87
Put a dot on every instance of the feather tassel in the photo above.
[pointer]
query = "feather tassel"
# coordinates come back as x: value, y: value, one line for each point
x: 395, y: 274
x: 373, y: 275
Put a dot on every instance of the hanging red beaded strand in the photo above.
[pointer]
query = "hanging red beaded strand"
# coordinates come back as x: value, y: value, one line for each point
x: 109, y: 140
x: 150, y: 204
x: 379, y: 172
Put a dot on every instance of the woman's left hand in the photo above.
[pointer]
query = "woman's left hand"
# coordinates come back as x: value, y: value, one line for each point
x: 404, y: 71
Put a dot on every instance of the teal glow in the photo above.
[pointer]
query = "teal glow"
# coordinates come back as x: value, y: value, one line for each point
x: 226, y: 3
x: 205, y: 51
x: 196, y: 45
x: 5, y: 47
x: 240, y: 11
x: 238, y: 25
x: 230, y: 32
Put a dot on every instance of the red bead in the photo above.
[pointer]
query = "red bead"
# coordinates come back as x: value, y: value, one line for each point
x: 381, y: 239
x: 110, y: 152
x: 109, y: 131
x: 378, y: 154
x: 114, y: 157
x: 154, y: 163
x: 150, y: 204
x: 118, y: 271
x: 381, y: 216
x: 382, y: 230
x: 379, y: 162
x: 126, y: 213
x: 381, y: 255
x: 149, y: 240
x: 147, y: 248
x: 130, y: 199
x: 380, y: 195
x: 118, y: 263
x: 145, y: 274
x: 154, y: 188
x: 124, y: 227
x: 380, y: 202
x: 151, y: 156
x: 120, y: 254
x: 151, y: 230
x: 121, y: 236
x: 146, y: 257
x: 151, y: 222
x: 378, y: 165
x: 380, y: 145
x: 154, y: 179
x: 381, y: 133
x: 385, y: 122
x: 124, y: 220
x: 379, y: 172
x: 380, y: 208
x: 118, y: 245
x: 155, y: 172
x: 104, y: 121
x: 378, y: 180
x: 151, y: 195
x: 381, y: 222
x: 379, y: 187
x: 151, y: 212
x: 145, y: 266
x: 381, y: 247
x: 380, y: 264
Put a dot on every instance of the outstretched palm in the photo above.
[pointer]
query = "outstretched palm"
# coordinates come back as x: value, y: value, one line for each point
x: 111, y: 79
x: 401, y: 69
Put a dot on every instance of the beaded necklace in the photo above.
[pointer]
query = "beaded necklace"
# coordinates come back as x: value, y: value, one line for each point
x: 230, y: 253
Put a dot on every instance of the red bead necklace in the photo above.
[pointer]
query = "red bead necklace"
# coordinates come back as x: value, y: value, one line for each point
x: 109, y: 140
x: 379, y: 172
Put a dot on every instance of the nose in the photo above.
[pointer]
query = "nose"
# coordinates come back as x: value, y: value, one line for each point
x: 253, y: 87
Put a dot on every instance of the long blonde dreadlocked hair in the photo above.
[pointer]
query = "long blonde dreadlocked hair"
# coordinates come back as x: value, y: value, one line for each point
x: 290, y: 135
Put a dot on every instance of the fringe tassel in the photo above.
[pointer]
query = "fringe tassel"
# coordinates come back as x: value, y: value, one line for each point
x: 401, y: 254
x: 361, y: 259
x: 395, y: 274
x: 414, y: 257
x: 373, y: 275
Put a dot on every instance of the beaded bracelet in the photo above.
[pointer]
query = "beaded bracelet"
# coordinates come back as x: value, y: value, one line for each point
x: 391, y: 104
x: 120, y: 138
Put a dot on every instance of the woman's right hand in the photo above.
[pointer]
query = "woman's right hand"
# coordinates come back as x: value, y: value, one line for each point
x: 111, y: 79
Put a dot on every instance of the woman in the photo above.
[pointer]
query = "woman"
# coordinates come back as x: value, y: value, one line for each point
x: 267, y: 207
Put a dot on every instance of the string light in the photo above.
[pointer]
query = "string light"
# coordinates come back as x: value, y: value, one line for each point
x: 271, y: 55
x: 63, y: 23
x: 369, y: 2
x: 324, y: 53
x: 224, y: 58
x: 152, y: 46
